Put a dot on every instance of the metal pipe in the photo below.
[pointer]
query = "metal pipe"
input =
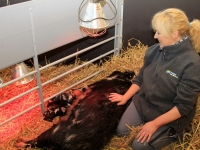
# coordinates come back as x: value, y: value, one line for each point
x: 36, y: 64
x: 14, y: 80
x: 74, y: 69
x: 90, y: 76
x: 21, y: 113
x: 77, y: 53
x: 18, y: 96
x: 34, y: 106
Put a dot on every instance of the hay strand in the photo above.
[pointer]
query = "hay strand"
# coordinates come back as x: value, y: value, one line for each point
x: 32, y: 124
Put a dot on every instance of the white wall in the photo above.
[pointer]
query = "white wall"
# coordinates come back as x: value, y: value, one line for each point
x: 54, y: 23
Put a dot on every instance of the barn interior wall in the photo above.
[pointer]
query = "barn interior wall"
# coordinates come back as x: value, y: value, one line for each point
x: 138, y: 15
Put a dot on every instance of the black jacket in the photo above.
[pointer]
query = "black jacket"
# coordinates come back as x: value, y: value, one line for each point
x: 169, y: 77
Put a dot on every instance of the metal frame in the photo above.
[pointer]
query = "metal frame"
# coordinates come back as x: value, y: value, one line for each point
x: 117, y: 47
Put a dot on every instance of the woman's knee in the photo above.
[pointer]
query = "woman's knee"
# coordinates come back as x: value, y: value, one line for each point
x: 131, y: 118
x: 122, y: 130
x: 159, y: 139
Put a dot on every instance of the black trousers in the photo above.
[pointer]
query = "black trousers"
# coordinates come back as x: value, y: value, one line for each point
x: 164, y: 136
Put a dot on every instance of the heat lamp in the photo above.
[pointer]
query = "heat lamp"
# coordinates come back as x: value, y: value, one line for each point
x: 94, y: 22
x: 20, y: 70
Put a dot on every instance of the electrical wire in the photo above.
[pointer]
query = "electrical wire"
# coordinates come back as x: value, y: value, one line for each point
x: 8, y: 3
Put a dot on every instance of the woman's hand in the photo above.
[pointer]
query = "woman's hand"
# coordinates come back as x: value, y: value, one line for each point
x: 122, y: 99
x: 114, y: 97
x: 146, y: 132
x: 150, y: 128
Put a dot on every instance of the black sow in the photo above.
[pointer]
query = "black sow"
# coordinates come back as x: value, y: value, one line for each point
x: 92, y: 122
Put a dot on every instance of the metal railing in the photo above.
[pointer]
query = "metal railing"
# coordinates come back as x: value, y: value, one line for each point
x: 117, y: 47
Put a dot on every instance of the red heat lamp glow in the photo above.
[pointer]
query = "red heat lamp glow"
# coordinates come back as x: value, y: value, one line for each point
x: 7, y: 111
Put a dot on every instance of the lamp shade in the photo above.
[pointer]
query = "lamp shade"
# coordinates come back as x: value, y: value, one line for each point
x: 20, y: 70
x: 93, y: 17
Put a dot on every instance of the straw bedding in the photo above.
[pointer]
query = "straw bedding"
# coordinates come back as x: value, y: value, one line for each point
x: 32, y: 124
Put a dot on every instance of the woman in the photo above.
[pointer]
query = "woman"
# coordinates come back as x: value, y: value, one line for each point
x: 165, y: 92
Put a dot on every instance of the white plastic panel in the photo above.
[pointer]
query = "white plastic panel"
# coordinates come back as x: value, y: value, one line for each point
x: 55, y: 23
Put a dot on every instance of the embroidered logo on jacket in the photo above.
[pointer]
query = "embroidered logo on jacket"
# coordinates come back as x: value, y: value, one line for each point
x: 171, y: 73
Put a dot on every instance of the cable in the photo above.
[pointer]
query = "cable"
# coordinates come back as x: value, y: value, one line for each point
x: 8, y: 3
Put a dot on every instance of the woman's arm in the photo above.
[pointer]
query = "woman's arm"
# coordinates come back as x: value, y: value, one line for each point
x: 167, y: 117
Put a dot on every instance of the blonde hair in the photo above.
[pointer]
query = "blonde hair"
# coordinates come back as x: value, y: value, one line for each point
x: 172, y: 19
